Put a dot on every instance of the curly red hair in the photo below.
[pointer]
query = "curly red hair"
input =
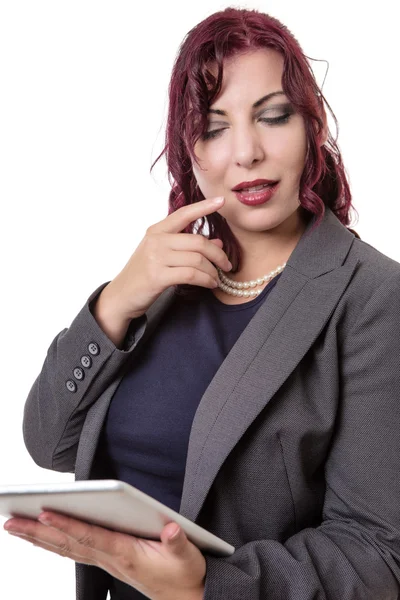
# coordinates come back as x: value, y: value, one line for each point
x: 192, y: 90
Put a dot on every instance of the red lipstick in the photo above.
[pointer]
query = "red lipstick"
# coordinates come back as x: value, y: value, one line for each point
x: 248, y: 184
x: 253, y: 198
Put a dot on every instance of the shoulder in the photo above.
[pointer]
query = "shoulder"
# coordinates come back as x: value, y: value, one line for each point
x: 374, y: 288
x: 372, y: 258
x: 373, y: 269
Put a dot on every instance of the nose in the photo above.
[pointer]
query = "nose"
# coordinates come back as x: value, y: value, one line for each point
x: 247, y: 148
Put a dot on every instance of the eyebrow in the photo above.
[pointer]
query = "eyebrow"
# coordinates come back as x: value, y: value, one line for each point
x: 255, y: 105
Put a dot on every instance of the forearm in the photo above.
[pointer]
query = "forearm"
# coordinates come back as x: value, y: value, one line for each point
x: 105, y: 311
x: 199, y: 594
x: 195, y: 595
x: 57, y: 403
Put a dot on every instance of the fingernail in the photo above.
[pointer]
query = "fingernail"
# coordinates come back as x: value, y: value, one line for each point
x: 175, y: 535
x: 218, y: 200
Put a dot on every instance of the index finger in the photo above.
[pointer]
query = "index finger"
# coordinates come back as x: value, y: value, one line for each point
x: 182, y: 217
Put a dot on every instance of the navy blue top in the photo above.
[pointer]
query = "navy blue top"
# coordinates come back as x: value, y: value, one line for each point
x: 145, y: 436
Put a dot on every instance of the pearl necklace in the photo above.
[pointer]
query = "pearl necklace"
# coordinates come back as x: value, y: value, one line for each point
x: 235, y: 288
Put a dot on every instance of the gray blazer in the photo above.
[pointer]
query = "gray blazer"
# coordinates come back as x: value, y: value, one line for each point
x: 294, y: 450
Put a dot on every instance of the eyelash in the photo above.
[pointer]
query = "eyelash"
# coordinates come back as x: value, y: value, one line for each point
x: 277, y: 121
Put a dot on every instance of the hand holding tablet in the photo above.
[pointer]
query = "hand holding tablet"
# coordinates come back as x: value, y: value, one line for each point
x: 109, y: 503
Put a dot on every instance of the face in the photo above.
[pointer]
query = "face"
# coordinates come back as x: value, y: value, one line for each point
x: 267, y: 142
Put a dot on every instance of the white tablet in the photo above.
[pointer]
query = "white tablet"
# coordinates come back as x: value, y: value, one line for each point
x: 109, y: 503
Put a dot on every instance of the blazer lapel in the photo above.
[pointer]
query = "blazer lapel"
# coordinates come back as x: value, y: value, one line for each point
x: 267, y: 351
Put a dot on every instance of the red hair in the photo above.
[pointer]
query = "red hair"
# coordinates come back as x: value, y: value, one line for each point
x: 192, y: 90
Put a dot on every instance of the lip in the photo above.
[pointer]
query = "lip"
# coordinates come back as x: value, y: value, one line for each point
x: 247, y: 184
x: 255, y: 198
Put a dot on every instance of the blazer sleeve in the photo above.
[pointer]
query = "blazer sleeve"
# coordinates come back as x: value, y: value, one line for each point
x: 55, y: 410
x: 354, y: 554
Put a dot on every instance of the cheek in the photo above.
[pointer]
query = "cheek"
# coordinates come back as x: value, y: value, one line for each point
x: 213, y: 164
x: 289, y: 149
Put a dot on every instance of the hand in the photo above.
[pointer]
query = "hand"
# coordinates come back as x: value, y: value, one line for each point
x: 173, y: 569
x: 167, y: 257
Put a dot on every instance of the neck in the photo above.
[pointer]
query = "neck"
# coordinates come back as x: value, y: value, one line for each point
x: 264, y: 251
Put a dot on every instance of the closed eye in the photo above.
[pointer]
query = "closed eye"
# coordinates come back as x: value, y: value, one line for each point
x: 275, y: 121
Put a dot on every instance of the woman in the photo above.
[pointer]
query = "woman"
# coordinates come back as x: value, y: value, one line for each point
x: 273, y: 417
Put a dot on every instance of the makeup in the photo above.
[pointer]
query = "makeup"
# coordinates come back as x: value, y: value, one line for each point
x: 256, y: 198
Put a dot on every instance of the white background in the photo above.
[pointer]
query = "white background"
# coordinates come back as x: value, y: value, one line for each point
x: 83, y: 101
